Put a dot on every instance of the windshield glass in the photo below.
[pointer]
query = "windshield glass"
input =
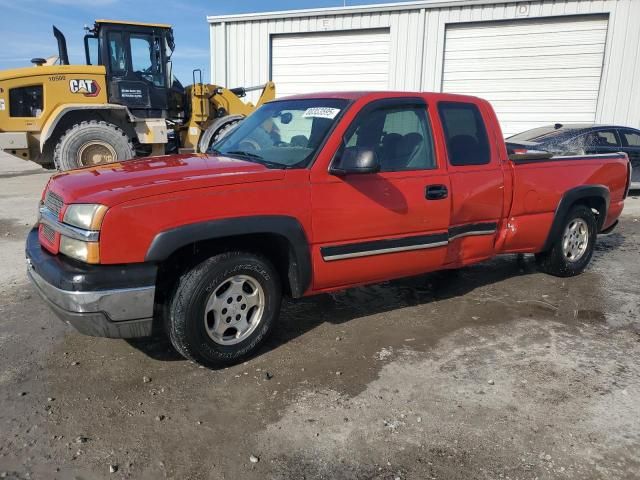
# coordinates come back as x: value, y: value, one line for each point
x: 282, y: 134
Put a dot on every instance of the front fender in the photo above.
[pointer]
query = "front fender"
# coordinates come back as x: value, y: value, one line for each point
x: 58, y: 114
x: 167, y: 242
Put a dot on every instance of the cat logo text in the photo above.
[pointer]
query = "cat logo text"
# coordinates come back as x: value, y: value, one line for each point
x: 89, y: 88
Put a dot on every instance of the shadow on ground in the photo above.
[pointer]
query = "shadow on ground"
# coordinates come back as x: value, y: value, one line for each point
x: 300, y: 316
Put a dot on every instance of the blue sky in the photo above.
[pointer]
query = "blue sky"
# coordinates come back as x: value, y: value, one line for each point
x: 26, y: 29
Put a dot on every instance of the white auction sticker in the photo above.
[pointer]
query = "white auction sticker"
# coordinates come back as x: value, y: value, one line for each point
x: 321, y: 112
x: 1, y: 104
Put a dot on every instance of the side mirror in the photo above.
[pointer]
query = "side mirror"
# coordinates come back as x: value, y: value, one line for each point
x: 356, y: 160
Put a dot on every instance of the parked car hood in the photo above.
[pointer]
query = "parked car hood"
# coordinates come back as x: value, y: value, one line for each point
x: 119, y: 182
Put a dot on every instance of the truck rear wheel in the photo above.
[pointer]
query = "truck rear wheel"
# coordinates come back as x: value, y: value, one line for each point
x: 224, y: 308
x: 92, y: 143
x: 571, y: 252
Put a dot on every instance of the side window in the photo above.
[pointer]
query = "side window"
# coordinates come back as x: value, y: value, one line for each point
x: 146, y: 58
x: 631, y: 139
x: 25, y: 101
x: 601, y: 138
x: 91, y: 50
x: 117, y: 53
x: 465, y: 134
x: 400, y: 136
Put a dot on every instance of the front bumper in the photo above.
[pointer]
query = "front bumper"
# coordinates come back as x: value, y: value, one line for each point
x: 115, y: 301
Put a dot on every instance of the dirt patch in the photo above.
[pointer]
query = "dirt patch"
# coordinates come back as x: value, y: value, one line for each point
x: 12, y: 229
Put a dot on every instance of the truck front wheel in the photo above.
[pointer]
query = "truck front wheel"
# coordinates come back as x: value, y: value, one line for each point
x: 224, y: 308
x: 572, y: 250
x: 92, y: 143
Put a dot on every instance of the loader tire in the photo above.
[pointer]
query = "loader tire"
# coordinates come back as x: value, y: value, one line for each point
x: 216, y: 131
x: 92, y: 143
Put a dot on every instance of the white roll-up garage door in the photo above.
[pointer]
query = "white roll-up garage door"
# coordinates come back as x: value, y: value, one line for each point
x: 534, y: 72
x: 330, y: 61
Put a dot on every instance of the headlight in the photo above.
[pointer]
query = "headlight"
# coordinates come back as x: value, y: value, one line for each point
x: 88, y: 252
x: 85, y: 215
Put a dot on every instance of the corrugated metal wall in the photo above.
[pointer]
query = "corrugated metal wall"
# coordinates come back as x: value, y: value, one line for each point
x: 240, y: 48
x: 535, y: 72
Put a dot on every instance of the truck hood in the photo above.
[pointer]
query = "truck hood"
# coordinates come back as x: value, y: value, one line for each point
x: 120, y: 182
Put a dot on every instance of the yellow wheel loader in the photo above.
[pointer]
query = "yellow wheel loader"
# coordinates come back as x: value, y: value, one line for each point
x: 123, y: 103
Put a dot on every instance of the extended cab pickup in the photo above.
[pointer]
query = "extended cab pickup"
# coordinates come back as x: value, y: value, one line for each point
x: 309, y: 194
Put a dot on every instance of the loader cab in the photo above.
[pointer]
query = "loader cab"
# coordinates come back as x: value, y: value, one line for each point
x: 137, y: 60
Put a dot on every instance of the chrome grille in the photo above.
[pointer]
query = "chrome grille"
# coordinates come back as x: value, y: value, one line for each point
x: 53, y: 202
x: 48, y: 233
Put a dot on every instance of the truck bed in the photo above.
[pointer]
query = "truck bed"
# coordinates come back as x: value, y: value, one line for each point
x: 536, y: 197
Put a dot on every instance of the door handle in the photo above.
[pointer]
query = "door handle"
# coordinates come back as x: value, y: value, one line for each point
x: 436, y: 192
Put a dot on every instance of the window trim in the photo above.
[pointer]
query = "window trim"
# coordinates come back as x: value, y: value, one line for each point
x: 446, y: 135
x: 389, y: 104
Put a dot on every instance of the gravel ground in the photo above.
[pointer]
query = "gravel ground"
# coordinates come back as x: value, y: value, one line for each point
x: 493, y: 371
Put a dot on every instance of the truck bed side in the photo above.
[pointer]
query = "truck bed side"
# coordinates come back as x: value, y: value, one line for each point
x: 540, y: 185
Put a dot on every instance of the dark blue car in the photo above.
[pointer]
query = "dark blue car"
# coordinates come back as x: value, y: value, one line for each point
x: 581, y: 139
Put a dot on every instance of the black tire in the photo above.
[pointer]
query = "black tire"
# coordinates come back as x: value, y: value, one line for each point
x: 186, y: 321
x: 79, y: 136
x: 555, y: 261
x: 216, y: 131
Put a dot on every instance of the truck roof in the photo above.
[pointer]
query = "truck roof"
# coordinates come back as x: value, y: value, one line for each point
x: 356, y: 95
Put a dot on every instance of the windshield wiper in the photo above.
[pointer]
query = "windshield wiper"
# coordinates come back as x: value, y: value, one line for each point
x: 244, y: 154
x: 257, y: 158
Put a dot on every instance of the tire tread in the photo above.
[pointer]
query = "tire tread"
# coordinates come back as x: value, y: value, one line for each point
x: 176, y: 320
x: 62, y: 163
x: 553, y: 261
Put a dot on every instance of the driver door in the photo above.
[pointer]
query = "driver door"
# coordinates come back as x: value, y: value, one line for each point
x: 394, y: 223
x: 135, y: 62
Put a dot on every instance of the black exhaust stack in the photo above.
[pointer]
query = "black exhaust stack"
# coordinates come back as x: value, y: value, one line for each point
x: 62, y: 46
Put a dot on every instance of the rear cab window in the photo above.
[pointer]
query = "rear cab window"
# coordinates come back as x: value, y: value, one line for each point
x: 465, y: 134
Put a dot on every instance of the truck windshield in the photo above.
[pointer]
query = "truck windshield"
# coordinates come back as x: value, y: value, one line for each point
x: 282, y: 134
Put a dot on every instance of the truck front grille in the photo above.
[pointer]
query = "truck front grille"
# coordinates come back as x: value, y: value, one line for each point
x: 53, y: 202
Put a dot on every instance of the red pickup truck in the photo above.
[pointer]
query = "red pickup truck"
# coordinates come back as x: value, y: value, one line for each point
x: 309, y: 194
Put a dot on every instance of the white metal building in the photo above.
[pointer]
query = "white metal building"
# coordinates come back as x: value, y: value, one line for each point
x: 538, y: 62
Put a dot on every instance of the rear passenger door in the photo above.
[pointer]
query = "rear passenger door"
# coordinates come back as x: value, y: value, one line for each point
x: 477, y: 182
x: 393, y: 223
